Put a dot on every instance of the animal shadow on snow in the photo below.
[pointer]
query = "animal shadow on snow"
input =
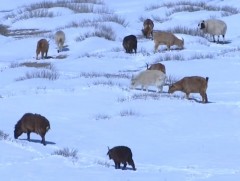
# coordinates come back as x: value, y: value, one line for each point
x: 199, y: 101
x: 121, y: 168
x: 222, y: 42
x: 38, y: 141
x: 65, y: 48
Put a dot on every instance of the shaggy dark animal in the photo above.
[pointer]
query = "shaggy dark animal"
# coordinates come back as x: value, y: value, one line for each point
x: 121, y: 154
x: 42, y: 47
x: 32, y: 123
x: 147, y: 28
x: 130, y: 43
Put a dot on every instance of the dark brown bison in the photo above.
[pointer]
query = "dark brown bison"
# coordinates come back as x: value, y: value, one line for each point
x: 121, y: 154
x: 130, y: 43
x: 147, y: 28
x: 32, y: 123
x: 42, y: 47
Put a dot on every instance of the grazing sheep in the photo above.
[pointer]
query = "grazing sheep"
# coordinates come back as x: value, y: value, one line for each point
x: 147, y: 28
x: 42, y: 47
x: 59, y: 39
x: 194, y: 84
x: 214, y: 27
x: 157, y: 66
x: 32, y: 123
x: 130, y: 43
x: 166, y: 38
x: 121, y: 154
x: 149, y: 78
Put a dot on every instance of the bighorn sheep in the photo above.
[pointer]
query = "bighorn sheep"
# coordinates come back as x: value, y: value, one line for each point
x: 130, y: 43
x: 193, y: 84
x: 42, y: 47
x: 166, y: 38
x: 32, y: 123
x: 157, y: 66
x: 214, y: 27
x: 149, y: 78
x: 147, y: 28
x: 59, y: 39
x: 121, y: 154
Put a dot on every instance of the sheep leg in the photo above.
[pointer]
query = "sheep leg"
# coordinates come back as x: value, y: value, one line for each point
x: 117, y: 165
x: 42, y: 55
x: 131, y: 162
x: 155, y: 48
x: 28, y: 135
x: 214, y: 38
x: 187, y: 95
x: 43, y: 140
x: 223, y: 38
x: 124, y: 165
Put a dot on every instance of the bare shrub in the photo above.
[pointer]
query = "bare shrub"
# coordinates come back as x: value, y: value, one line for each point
x: 34, y: 14
x: 66, y: 152
x: 44, y: 65
x: 128, y: 113
x: 106, y: 83
x: 3, y: 136
x: 169, y: 57
x: 105, y: 75
x: 187, y: 31
x: 103, y: 163
x: 189, y: 6
x: 201, y: 56
x: 44, y: 74
x: 171, y: 79
x: 102, y: 116
x: 101, y: 31
x: 4, y: 30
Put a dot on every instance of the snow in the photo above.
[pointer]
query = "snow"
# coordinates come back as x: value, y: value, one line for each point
x: 171, y: 138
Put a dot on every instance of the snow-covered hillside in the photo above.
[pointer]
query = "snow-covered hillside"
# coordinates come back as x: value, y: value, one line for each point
x: 84, y: 92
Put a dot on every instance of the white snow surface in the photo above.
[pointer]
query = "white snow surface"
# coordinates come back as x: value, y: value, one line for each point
x: 171, y: 138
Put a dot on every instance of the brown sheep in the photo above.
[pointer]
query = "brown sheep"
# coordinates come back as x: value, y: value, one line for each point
x: 42, y: 47
x: 121, y: 154
x: 194, y: 84
x: 32, y: 123
x: 166, y: 38
x: 147, y: 28
x: 130, y: 43
x: 157, y: 66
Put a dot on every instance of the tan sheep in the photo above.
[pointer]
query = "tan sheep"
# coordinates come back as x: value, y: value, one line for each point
x: 42, y: 47
x: 59, y: 39
x: 149, y: 78
x: 166, y: 38
x: 157, y: 66
x: 193, y: 84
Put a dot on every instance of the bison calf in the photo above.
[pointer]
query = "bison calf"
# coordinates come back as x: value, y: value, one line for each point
x: 32, y: 123
x: 42, y: 47
x: 147, y: 28
x: 130, y: 43
x: 194, y: 84
x: 121, y: 154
